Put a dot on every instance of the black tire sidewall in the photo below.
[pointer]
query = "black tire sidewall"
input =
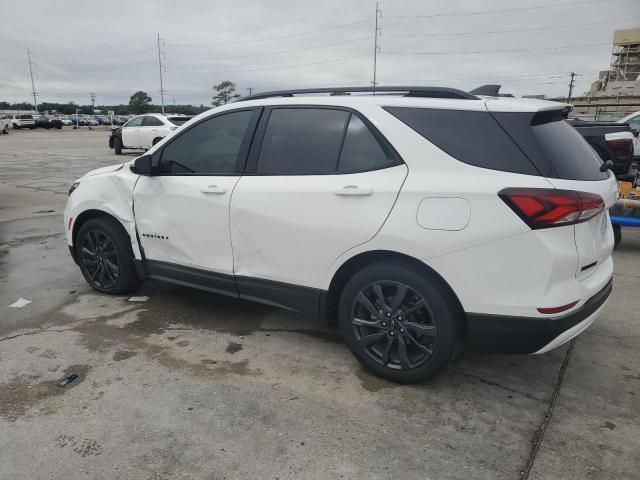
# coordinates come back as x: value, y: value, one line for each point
x: 127, y: 279
x: 435, y: 294
x: 117, y: 146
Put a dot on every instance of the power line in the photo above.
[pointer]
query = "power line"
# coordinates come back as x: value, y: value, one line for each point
x: 502, y: 10
x: 279, y: 67
x: 33, y: 85
x: 500, y: 51
x: 239, y: 42
x: 295, y: 50
x: 515, y: 30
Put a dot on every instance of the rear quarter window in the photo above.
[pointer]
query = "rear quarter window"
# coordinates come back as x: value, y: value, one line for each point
x: 472, y: 137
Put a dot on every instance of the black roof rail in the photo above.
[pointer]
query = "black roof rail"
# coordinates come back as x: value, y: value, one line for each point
x: 490, y: 91
x: 427, y: 92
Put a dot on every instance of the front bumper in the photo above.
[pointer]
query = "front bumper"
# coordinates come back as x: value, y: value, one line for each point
x: 524, y: 335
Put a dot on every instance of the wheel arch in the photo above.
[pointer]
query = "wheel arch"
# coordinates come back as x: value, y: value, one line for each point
x: 351, y: 266
x: 90, y: 214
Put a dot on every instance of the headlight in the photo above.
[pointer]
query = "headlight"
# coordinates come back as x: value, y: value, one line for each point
x: 73, y: 187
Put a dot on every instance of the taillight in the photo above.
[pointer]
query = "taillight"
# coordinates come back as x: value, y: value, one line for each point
x: 547, y: 207
x: 621, y: 147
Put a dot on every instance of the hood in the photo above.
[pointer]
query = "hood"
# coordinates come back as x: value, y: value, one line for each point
x: 99, y: 171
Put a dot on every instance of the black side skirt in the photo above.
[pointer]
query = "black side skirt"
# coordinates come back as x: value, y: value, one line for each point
x: 303, y: 300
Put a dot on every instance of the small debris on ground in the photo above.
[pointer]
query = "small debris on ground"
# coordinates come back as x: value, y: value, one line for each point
x: 67, y: 380
x: 21, y: 302
x: 138, y: 299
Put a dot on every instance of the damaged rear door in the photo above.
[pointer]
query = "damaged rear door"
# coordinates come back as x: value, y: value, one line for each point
x: 182, y: 210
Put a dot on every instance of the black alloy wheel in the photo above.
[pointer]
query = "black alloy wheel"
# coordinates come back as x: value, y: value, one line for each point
x: 394, y: 325
x: 99, y: 257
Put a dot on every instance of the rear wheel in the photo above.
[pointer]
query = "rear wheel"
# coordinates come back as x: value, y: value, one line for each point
x: 117, y: 145
x: 5, y: 130
x: 155, y: 140
x: 617, y: 235
x: 402, y: 324
x: 104, y: 254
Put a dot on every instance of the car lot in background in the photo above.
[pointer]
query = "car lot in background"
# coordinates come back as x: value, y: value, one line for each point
x: 239, y: 380
x: 144, y: 131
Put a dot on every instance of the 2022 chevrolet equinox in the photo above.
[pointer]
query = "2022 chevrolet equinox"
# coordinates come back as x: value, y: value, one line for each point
x: 422, y: 219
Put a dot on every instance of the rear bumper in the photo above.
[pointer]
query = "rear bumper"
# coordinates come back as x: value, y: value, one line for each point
x: 517, y: 335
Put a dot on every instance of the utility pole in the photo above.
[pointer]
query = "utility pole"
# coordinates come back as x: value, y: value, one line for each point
x: 160, y: 53
x: 250, y: 90
x: 92, y: 95
x: 33, y: 85
x: 571, y: 86
x: 376, y: 48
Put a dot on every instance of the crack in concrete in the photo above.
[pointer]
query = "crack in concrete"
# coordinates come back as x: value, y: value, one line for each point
x: 495, y: 384
x: 546, y: 420
x: 35, y: 332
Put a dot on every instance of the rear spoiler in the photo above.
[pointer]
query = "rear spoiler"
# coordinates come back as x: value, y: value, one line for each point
x: 489, y: 91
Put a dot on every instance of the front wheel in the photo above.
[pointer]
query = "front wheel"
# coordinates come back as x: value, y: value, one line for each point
x: 117, y: 145
x: 401, y: 323
x: 5, y: 130
x: 104, y: 254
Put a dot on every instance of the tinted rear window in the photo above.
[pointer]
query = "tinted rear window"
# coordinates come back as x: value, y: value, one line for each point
x: 472, y: 137
x: 25, y: 117
x: 302, y: 141
x: 179, y: 120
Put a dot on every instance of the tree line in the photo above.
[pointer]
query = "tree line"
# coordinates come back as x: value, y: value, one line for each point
x: 139, y: 103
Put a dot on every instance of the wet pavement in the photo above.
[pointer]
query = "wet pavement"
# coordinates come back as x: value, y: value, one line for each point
x: 192, y: 385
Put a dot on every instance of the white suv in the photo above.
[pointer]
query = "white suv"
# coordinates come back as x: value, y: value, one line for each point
x: 422, y: 219
x: 144, y: 131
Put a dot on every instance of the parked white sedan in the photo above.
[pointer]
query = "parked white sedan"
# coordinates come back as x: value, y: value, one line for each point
x: 144, y: 131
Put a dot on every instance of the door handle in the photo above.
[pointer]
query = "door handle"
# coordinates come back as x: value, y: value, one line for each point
x: 214, y: 189
x: 354, y: 191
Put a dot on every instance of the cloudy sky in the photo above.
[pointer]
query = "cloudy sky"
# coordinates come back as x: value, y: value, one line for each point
x: 109, y: 47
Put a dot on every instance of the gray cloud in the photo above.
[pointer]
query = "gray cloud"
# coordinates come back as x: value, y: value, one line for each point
x: 110, y: 47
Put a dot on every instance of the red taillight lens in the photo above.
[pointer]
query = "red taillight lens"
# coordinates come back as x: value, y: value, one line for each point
x: 547, y: 207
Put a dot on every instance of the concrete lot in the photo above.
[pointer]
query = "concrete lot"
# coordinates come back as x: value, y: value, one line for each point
x: 192, y: 385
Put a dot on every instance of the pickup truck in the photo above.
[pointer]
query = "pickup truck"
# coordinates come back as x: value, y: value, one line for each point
x: 612, y: 141
x: 633, y: 119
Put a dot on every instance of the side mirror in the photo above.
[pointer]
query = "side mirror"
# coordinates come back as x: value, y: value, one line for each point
x: 142, y: 165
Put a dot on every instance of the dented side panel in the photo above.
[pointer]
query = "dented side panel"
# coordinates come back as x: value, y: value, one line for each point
x: 109, y: 191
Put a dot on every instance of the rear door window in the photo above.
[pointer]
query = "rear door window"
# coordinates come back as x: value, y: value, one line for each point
x: 151, y: 122
x: 302, y: 141
x: 134, y: 122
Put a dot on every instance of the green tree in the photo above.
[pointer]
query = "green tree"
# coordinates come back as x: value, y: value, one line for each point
x: 139, y: 102
x: 225, y: 91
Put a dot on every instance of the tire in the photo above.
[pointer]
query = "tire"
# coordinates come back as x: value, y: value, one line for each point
x: 117, y: 145
x: 429, y: 336
x: 59, y: 127
x: 103, y: 251
x: 617, y: 235
x: 5, y: 130
x: 15, y: 126
x: 156, y: 140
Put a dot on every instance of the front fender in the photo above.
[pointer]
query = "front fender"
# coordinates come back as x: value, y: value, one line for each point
x: 111, y: 194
